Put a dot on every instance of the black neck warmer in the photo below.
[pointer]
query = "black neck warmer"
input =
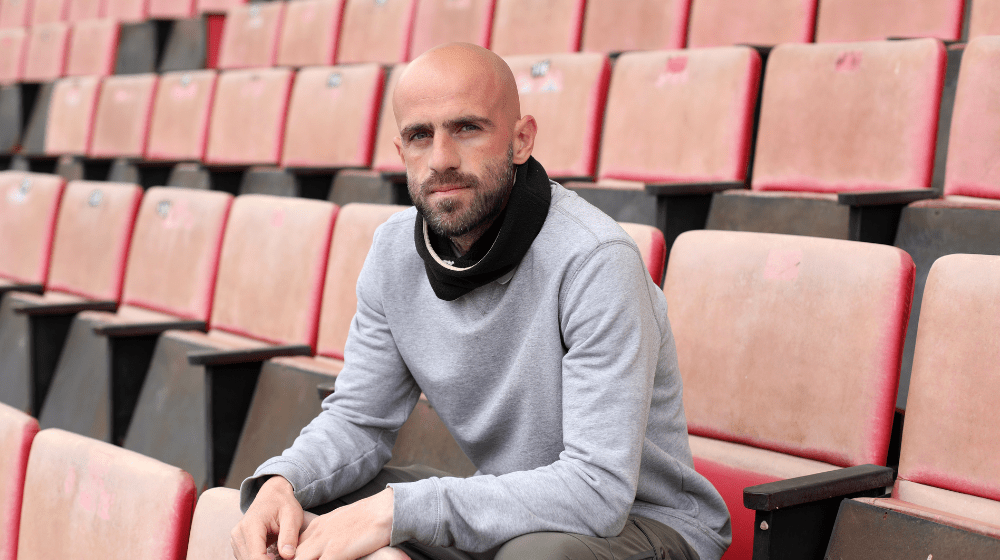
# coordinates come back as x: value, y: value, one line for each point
x: 500, y: 248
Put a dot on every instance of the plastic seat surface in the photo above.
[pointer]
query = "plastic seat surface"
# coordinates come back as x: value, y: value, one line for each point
x: 614, y: 26
x: 754, y: 22
x: 537, y: 26
x: 29, y: 206
x: 48, y: 11
x: 376, y: 31
x: 70, y: 124
x: 79, y: 10
x: 172, y: 9
x: 332, y: 116
x: 13, y: 43
x: 652, y: 247
x: 566, y: 94
x: 811, y: 137
x: 45, y: 55
x: 121, y: 121
x: 217, y: 512
x: 310, y: 32
x: 386, y: 158
x: 17, y: 430
x: 250, y: 35
x: 15, y: 13
x: 984, y: 18
x: 97, y: 497
x: 235, y: 140
x: 876, y: 20
x: 217, y: 6
x: 448, y: 21
x: 131, y: 11
x: 178, y: 128
x: 93, y: 46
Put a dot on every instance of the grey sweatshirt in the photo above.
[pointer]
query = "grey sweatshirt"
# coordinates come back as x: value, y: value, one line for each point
x: 559, y: 381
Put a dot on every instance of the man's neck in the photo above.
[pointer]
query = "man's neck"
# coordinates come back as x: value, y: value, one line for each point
x: 462, y: 243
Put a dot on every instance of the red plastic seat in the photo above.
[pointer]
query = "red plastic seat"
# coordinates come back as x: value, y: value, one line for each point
x: 537, y: 26
x: 250, y: 35
x: 789, y: 348
x: 93, y: 46
x: 614, y: 26
x: 984, y: 18
x: 29, y: 205
x: 71, y: 115
x: 129, y: 10
x: 376, y: 31
x: 217, y: 512
x: 45, y: 55
x: 48, y: 11
x: 754, y: 22
x: 13, y: 42
x: 79, y: 10
x: 566, y: 95
x: 310, y: 32
x: 121, y: 123
x: 15, y: 13
x: 109, y: 501
x: 386, y: 158
x: 875, y: 20
x: 17, y: 431
x: 232, y: 139
x: 447, y: 21
x: 332, y: 117
x: 217, y: 6
x: 178, y: 128
x: 652, y: 247
x: 172, y: 9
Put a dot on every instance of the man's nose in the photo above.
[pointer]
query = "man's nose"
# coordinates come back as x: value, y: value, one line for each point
x: 444, y: 154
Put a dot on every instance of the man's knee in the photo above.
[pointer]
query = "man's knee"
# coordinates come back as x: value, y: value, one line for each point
x: 546, y: 546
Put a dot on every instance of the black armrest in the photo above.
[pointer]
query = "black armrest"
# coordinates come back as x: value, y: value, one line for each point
x: 30, y: 288
x: 812, y: 488
x: 65, y: 308
x: 225, y: 357
x: 324, y: 390
x: 146, y: 329
x: 677, y: 189
x: 883, y: 198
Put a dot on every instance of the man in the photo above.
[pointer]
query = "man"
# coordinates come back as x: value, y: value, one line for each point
x: 527, y: 318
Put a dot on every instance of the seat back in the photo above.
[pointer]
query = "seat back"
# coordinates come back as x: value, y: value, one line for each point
x: 352, y: 238
x: 271, y: 270
x: 13, y: 42
x: 376, y: 31
x: 17, y: 430
x: 131, y: 11
x: 178, y: 127
x: 876, y: 20
x: 566, y: 95
x: 386, y: 158
x: 29, y: 205
x: 445, y: 21
x: 45, y: 55
x: 235, y: 140
x: 680, y: 116
x: 652, y: 247
x: 79, y: 10
x: 216, y: 6
x: 537, y: 26
x: 15, y: 13
x: 973, y: 151
x: 70, y: 125
x: 217, y: 512
x: 111, y: 502
x: 755, y: 22
x: 48, y: 11
x: 310, y: 31
x: 171, y: 9
x: 332, y: 116
x: 93, y: 233
x: 984, y: 18
x: 643, y: 25
x: 812, y: 136
x: 93, y: 46
x: 121, y: 122
x: 250, y: 35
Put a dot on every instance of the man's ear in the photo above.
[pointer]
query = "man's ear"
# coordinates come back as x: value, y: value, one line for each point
x: 524, y: 138
x: 399, y: 148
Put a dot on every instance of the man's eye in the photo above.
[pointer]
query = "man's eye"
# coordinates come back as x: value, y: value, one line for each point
x: 469, y: 127
x: 416, y: 136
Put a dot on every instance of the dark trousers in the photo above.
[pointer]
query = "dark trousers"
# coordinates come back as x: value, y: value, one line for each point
x: 641, y: 539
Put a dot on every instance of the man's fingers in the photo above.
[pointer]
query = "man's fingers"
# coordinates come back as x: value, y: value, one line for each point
x: 289, y: 525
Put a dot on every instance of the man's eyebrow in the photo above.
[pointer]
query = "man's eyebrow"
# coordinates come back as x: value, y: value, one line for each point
x: 482, y: 122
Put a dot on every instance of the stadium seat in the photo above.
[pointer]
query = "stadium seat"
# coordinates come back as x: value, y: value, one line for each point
x: 845, y: 140
x: 48, y: 11
x: 92, y: 237
x: 266, y: 304
x: 178, y: 127
x: 310, y: 32
x: 28, y: 103
x: 217, y: 6
x: 250, y: 35
x: 169, y: 281
x: 984, y: 18
x: 93, y: 46
x: 17, y: 430
x: 217, y: 512
x: 233, y: 140
x: 172, y: 9
x: 537, y: 26
x: 612, y: 26
x: 80, y: 10
x: 45, y: 55
x: 946, y: 499
x: 716, y: 23
x: 789, y: 349
x: 446, y: 21
x: 566, y: 95
x: 28, y: 210
x: 121, y: 121
x: 130, y: 11
x: 679, y: 124
x: 875, y: 20
x: 95, y: 497
x: 15, y: 13
x: 376, y: 31
x: 12, y: 44
x: 652, y: 246
x: 71, y: 115
x: 386, y: 159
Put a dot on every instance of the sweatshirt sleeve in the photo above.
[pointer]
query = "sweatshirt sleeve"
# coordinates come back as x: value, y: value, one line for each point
x: 613, y: 342
x: 347, y: 444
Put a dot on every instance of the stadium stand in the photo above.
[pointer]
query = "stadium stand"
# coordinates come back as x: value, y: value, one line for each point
x: 45, y: 55
x: 644, y: 25
x: 178, y: 128
x: 81, y: 10
x: 12, y: 45
x: 70, y: 124
x: 769, y: 391
x: 48, y: 11
x: 172, y: 9
x: 92, y: 237
x: 15, y: 13
x: 716, y: 23
x: 250, y: 35
x: 875, y: 20
x: 537, y: 26
x: 310, y: 32
x: 129, y: 11
x: 217, y: 512
x: 121, y: 124
x: 217, y: 6
x: 28, y: 210
x: 13, y: 42
x: 266, y: 304
x: 984, y: 18
x: 376, y: 31
x: 447, y: 21
x: 386, y: 159
x: 17, y: 431
x: 93, y: 47
x: 103, y: 499
x: 169, y: 282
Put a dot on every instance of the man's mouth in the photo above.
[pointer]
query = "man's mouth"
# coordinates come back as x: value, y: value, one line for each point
x: 447, y: 188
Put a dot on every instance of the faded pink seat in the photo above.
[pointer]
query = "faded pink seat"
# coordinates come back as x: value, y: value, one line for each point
x: 615, y: 26
x: 15, y: 13
x: 45, y: 55
x: 97, y: 497
x: 121, y: 121
x: 217, y: 512
x: 755, y: 22
x: 13, y: 42
x: 250, y: 35
x: 172, y: 9
x: 216, y: 6
x: 232, y: 138
x: 79, y: 10
x: 93, y: 46
x: 984, y: 18
x: 534, y: 27
x: 29, y: 205
x: 129, y: 10
x: 48, y: 11
x: 652, y: 247
x: 386, y: 159
x: 17, y: 430
x: 70, y: 124
x: 310, y: 32
x: 875, y: 20
x: 446, y: 21
x: 566, y: 95
x: 178, y: 128
x: 376, y: 31
x: 789, y: 348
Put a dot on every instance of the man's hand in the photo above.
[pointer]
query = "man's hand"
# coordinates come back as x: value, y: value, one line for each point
x: 351, y: 532
x: 274, y: 513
